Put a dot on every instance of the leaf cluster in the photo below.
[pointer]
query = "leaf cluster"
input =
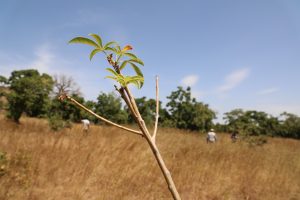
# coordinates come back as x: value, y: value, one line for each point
x: 119, y: 58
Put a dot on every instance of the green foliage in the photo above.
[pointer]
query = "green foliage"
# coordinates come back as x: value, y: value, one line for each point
x: 187, y: 113
x: 3, y: 81
x: 66, y: 110
x: 56, y: 123
x: 289, y: 126
x: 29, y: 93
x: 256, y: 140
x: 110, y: 107
x: 147, y: 110
x: 85, y: 115
x: 122, y: 58
x: 254, y: 123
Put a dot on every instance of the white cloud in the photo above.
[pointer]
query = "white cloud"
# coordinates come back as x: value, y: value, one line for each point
x: 234, y: 79
x: 43, y: 59
x: 190, y: 80
x: 268, y: 91
x: 197, y: 94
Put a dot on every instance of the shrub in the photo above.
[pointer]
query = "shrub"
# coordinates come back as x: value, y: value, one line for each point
x: 256, y: 140
x: 56, y: 123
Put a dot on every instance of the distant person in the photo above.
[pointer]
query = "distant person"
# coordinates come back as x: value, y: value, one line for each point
x: 234, y: 136
x: 211, y: 136
x: 86, y: 125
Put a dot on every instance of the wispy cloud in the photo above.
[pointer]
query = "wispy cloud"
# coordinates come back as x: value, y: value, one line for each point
x: 43, y: 59
x: 198, y: 94
x: 234, y: 79
x: 268, y: 91
x: 190, y: 80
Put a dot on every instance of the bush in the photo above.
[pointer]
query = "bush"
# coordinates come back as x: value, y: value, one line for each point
x: 56, y: 123
x: 256, y: 140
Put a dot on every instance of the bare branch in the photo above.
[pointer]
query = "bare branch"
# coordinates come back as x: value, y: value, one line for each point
x: 64, y: 85
x: 157, y: 111
x: 65, y: 96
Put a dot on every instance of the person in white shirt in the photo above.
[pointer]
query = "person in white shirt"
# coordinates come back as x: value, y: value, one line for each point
x: 211, y: 136
x: 86, y: 125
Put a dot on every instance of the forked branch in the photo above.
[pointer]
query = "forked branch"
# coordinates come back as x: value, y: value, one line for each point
x: 124, y: 58
x: 64, y: 96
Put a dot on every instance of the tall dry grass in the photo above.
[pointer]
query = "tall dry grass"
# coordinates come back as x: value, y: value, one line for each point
x: 112, y: 164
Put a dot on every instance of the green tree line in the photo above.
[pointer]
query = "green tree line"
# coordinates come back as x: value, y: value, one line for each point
x: 35, y: 95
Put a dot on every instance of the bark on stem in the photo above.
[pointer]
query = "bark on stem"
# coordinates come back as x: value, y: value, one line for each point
x: 157, y: 155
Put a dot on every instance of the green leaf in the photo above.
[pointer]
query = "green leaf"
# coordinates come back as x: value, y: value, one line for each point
x: 136, y: 80
x: 136, y: 83
x: 118, y: 49
x: 112, y: 71
x: 94, y: 52
x: 123, y: 64
x: 110, y: 49
x: 130, y: 55
x: 83, y: 40
x: 97, y: 38
x: 111, y: 77
x: 108, y: 45
x: 137, y: 70
x: 136, y: 60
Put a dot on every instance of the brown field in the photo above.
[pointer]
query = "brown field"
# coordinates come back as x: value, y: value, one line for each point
x: 112, y: 164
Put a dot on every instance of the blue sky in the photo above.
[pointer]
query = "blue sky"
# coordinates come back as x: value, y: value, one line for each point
x: 234, y: 54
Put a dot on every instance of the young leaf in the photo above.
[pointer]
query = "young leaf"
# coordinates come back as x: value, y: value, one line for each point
x: 137, y: 80
x: 97, y: 38
x: 137, y: 70
x: 111, y: 77
x: 127, y: 48
x: 83, y: 40
x: 136, y: 60
x: 123, y: 65
x: 110, y: 49
x: 108, y: 45
x: 94, y: 52
x: 130, y: 55
x: 112, y: 71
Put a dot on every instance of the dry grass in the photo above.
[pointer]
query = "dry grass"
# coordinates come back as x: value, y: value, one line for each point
x: 112, y: 164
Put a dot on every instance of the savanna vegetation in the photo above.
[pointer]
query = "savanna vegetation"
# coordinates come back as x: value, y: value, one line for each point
x: 33, y: 94
x: 43, y: 154
x: 108, y: 163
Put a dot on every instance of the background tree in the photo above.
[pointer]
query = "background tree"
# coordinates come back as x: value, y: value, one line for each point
x: 289, y: 126
x: 110, y: 107
x: 66, y: 110
x: 65, y: 84
x: 3, y: 91
x: 3, y: 81
x: 119, y: 58
x: 251, y: 123
x: 187, y: 113
x: 29, y: 93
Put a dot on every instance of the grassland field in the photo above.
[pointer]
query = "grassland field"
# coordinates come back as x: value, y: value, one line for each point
x: 111, y: 164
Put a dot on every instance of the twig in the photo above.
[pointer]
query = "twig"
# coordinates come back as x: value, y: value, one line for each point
x: 64, y: 96
x: 157, y: 111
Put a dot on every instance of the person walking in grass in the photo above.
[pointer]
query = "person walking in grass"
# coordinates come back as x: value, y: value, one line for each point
x: 234, y: 136
x: 211, y: 136
x: 86, y: 125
